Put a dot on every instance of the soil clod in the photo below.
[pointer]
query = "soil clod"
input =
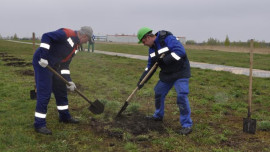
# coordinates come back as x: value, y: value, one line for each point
x: 18, y: 64
x: 12, y: 59
x: 26, y: 72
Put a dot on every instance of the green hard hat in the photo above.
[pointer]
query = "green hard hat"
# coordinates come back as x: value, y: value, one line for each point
x: 142, y: 32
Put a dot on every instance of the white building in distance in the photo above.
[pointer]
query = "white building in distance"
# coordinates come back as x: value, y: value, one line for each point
x: 128, y: 38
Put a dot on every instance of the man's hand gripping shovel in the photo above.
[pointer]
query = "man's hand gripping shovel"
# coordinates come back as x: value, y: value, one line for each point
x: 137, y: 88
x: 96, y: 107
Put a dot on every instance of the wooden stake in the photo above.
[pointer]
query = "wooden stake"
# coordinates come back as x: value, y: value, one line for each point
x: 250, y: 78
x: 34, y: 49
x: 34, y: 42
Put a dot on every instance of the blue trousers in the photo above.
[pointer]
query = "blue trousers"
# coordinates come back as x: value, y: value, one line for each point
x: 46, y: 83
x: 182, y: 90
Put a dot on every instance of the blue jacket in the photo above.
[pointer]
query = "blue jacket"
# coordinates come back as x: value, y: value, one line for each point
x: 58, y: 47
x: 176, y: 62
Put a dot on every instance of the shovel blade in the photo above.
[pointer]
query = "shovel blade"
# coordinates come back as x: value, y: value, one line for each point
x: 122, y: 109
x: 33, y: 94
x: 249, y: 125
x: 96, y: 107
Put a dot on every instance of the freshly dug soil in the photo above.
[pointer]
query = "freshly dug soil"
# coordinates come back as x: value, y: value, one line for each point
x: 135, y: 124
x: 18, y: 64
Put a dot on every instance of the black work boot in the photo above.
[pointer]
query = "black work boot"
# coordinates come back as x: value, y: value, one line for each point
x: 153, y: 118
x: 43, y: 130
x: 185, y: 131
x: 70, y: 120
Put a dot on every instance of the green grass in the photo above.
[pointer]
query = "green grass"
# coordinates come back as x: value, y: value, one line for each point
x: 218, y: 102
x: 261, y: 61
x: 264, y: 125
x: 122, y: 48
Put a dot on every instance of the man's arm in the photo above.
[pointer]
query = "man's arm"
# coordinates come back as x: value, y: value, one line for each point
x: 46, y: 42
x: 176, y: 48
x: 64, y: 70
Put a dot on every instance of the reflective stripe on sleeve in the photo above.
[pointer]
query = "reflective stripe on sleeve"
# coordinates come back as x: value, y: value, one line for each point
x: 146, y: 69
x: 160, y: 51
x: 40, y: 115
x: 62, y: 107
x: 45, y: 45
x: 152, y: 54
x: 65, y: 72
x: 70, y: 42
x: 175, y: 56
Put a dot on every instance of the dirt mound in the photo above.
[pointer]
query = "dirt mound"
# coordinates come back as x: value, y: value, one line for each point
x: 18, y: 64
x: 135, y: 124
x: 5, y: 55
x: 26, y: 72
x: 12, y: 59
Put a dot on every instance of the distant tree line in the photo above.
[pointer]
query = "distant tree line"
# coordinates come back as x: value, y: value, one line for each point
x: 210, y: 41
x: 227, y: 42
x: 15, y: 37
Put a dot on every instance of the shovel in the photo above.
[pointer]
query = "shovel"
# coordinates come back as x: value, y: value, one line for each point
x: 141, y: 83
x: 33, y: 93
x: 96, y: 107
x: 249, y: 125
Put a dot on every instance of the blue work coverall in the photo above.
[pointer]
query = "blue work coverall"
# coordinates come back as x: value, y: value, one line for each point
x: 58, y: 48
x: 174, y: 72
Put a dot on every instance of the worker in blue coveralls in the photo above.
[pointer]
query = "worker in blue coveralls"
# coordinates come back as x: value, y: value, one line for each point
x: 56, y: 49
x: 175, y: 71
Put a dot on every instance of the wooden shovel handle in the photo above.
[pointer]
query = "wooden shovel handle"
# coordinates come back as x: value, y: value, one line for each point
x: 250, y: 78
x: 67, y: 83
x: 145, y: 78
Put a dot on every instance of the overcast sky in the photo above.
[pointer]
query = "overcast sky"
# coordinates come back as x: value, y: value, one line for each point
x: 194, y: 19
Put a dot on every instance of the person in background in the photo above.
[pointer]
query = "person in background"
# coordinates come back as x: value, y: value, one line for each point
x: 92, y: 44
x: 175, y: 71
x: 80, y: 47
x: 56, y: 49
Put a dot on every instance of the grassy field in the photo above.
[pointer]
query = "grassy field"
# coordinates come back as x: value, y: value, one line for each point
x: 218, y: 103
x: 229, y: 48
x: 239, y: 59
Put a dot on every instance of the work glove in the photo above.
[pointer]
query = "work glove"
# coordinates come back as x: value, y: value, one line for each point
x: 71, y: 86
x: 160, y: 61
x: 138, y: 85
x: 43, y: 62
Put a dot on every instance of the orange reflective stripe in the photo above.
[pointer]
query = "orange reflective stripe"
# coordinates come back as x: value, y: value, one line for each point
x: 69, y: 32
x: 70, y: 55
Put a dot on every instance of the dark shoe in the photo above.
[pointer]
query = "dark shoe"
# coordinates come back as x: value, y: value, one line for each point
x: 71, y: 120
x: 43, y: 130
x: 185, y: 131
x: 153, y: 118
